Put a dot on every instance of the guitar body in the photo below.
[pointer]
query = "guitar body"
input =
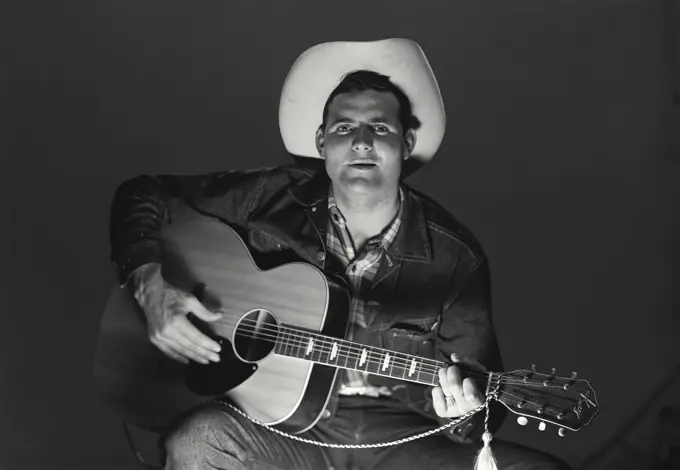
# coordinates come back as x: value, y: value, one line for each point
x: 208, y: 258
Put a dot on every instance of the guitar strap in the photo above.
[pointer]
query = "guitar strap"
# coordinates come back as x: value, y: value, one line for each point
x: 363, y: 446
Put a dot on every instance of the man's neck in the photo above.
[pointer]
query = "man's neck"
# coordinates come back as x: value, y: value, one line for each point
x: 368, y: 215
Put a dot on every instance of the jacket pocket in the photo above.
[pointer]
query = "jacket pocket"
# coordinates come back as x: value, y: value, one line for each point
x: 265, y: 243
x: 416, y: 338
x: 410, y: 336
x: 269, y: 251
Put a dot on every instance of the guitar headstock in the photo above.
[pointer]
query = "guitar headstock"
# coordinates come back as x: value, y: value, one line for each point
x: 567, y: 402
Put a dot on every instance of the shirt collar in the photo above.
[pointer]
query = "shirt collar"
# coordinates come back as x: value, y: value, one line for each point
x: 412, y: 242
x: 388, y: 234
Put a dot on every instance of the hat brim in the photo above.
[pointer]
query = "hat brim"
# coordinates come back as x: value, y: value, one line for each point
x: 317, y: 72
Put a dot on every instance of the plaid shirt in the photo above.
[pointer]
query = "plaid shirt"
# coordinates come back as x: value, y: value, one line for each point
x: 359, y: 270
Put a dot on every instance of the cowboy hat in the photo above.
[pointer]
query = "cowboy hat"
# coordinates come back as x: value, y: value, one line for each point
x: 321, y: 68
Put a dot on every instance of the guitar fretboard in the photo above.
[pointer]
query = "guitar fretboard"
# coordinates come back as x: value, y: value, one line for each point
x: 349, y: 355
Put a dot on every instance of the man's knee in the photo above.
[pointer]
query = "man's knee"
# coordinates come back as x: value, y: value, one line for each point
x: 205, y: 427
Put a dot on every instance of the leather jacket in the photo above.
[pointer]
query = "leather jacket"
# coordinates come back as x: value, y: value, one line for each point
x: 434, y: 298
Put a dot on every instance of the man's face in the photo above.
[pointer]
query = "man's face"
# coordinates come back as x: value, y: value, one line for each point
x: 363, y: 143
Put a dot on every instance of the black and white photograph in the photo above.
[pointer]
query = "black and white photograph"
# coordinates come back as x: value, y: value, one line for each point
x: 359, y: 235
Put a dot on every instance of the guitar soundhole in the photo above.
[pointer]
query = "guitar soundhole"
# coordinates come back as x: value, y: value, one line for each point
x: 255, y: 335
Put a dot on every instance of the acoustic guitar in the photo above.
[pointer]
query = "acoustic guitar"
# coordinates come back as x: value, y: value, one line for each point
x: 282, y: 344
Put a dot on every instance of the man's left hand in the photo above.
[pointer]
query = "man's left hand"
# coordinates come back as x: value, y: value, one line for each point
x: 454, y: 396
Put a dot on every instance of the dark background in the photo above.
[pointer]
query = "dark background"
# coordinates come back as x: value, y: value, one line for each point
x: 561, y: 155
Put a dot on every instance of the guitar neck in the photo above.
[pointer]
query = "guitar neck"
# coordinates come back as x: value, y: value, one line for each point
x: 344, y: 354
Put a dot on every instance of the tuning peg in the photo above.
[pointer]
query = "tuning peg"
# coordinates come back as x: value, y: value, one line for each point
x: 533, y: 368
x: 541, y: 426
x: 561, y: 432
x: 573, y: 377
x: 522, y: 421
x: 547, y: 381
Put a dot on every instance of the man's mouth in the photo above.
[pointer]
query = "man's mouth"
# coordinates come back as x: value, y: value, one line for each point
x: 362, y: 164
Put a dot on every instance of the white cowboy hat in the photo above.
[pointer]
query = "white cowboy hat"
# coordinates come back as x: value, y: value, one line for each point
x: 320, y: 69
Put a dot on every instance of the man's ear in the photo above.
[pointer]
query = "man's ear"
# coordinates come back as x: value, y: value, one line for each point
x: 410, y: 139
x: 319, y: 141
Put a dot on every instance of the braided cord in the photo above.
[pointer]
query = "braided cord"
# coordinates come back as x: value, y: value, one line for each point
x: 366, y: 446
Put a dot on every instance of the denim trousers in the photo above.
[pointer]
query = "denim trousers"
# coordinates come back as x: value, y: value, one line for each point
x: 214, y: 436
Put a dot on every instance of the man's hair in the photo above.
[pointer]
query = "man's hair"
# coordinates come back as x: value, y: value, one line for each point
x: 362, y: 80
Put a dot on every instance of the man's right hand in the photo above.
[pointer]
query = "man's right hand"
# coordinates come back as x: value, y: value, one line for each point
x: 166, y: 310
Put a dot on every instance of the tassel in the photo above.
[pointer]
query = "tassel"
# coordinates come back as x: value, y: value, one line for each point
x: 485, y: 459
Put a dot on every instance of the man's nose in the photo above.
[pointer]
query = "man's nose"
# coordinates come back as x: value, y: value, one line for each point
x: 363, y: 140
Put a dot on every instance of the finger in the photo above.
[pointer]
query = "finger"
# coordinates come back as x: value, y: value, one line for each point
x: 474, y: 364
x: 192, y: 304
x: 181, y: 343
x: 193, y: 334
x: 439, y: 403
x: 454, y: 381
x: 170, y: 353
x: 172, y: 335
x: 172, y: 339
x: 180, y: 349
x: 443, y: 382
x: 196, y: 341
x: 177, y: 348
x: 471, y: 393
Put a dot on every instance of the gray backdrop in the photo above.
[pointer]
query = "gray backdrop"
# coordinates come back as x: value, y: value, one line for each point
x: 559, y: 155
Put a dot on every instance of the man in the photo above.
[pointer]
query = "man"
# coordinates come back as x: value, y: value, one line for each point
x: 419, y: 280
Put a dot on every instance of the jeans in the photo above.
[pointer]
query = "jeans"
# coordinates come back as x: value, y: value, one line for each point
x: 214, y: 436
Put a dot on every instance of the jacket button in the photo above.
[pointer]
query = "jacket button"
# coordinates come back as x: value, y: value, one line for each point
x: 326, y: 413
x: 320, y: 255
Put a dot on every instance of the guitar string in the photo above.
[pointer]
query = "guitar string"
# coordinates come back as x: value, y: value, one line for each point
x: 433, y: 368
x: 398, y: 362
x: 301, y: 341
x: 520, y: 400
x: 510, y: 398
x: 401, y: 363
x: 354, y: 352
x: 399, y: 366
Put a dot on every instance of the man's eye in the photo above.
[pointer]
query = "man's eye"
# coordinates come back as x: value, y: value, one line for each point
x: 343, y: 129
x: 380, y: 129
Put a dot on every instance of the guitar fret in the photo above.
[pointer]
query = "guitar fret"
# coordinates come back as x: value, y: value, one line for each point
x: 346, y: 354
x: 292, y: 347
x: 279, y: 347
x: 323, y: 351
x: 351, y: 360
x: 287, y: 349
x: 373, y: 362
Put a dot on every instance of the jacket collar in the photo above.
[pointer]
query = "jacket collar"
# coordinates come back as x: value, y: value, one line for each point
x: 412, y: 242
